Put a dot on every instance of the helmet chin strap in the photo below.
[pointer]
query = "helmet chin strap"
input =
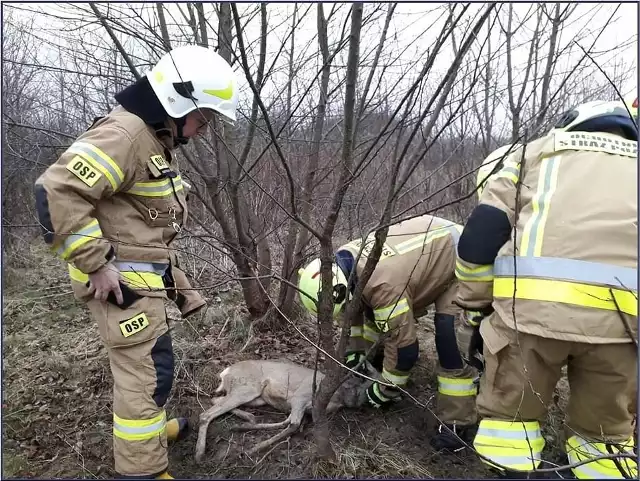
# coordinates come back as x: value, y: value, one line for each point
x: 179, y: 138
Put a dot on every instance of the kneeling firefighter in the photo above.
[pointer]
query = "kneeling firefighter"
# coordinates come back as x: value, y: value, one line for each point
x: 551, y: 260
x: 112, y: 206
x: 415, y: 270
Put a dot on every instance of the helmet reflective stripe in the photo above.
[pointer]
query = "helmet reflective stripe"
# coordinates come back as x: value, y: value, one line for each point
x: 191, y: 77
x: 310, y: 284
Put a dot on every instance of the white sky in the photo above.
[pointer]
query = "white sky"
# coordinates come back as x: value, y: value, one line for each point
x: 411, y: 34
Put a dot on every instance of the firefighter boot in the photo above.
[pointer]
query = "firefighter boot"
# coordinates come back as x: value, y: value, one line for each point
x: 452, y: 442
x: 177, y: 429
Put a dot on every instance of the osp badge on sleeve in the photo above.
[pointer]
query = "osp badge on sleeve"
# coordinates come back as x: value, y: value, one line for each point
x: 134, y: 325
x: 84, y: 171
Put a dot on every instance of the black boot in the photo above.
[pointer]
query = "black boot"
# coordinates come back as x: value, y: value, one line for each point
x: 452, y: 442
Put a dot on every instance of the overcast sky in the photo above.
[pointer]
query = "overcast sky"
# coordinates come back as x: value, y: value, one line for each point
x: 411, y: 34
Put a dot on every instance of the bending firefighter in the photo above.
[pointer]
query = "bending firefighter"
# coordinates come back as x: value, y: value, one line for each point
x: 112, y: 206
x: 416, y: 270
x: 550, y: 256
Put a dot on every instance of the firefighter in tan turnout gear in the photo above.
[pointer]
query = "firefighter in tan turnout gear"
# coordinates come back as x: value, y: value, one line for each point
x: 550, y: 256
x: 111, y: 206
x: 416, y: 270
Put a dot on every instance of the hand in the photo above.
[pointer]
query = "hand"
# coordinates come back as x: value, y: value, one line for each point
x: 105, y: 280
x: 469, y: 339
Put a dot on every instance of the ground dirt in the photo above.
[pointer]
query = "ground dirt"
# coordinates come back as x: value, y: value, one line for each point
x: 57, y: 396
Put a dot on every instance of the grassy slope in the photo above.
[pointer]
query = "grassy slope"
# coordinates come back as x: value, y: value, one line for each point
x: 57, y: 396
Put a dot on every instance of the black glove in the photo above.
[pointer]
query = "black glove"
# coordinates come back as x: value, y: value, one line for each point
x: 469, y: 334
x: 380, y: 396
x: 352, y: 359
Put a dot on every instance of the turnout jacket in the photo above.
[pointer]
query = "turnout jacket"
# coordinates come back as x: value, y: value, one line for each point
x: 416, y: 267
x: 555, y: 238
x: 115, y: 195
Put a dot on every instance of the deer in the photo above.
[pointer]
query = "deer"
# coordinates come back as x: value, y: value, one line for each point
x: 283, y: 385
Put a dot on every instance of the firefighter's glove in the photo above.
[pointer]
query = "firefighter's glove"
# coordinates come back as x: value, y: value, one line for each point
x: 380, y: 396
x: 353, y: 359
x: 469, y: 339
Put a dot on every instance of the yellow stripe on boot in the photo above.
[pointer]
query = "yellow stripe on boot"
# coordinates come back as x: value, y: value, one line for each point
x: 165, y: 475
x: 177, y: 429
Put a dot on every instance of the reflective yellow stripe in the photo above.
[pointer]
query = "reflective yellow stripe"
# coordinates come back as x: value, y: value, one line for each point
x: 510, y: 171
x: 156, y: 188
x: 567, y: 292
x: 470, y: 315
x: 459, y: 387
x: 139, y: 429
x: 101, y: 161
x: 389, y: 312
x: 515, y: 445
x: 378, y: 393
x: 423, y: 239
x: 356, y: 331
x: 369, y: 334
x: 137, y: 280
x: 579, y: 449
x: 573, y: 270
x: 77, y: 239
x: 474, y: 274
x: 533, y: 232
x: 396, y: 377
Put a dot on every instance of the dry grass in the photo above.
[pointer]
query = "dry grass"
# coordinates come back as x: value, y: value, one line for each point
x: 57, y: 395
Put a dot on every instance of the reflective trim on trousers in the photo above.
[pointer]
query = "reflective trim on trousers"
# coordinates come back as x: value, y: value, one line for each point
x: 139, y: 429
x: 579, y: 449
x: 512, y: 444
x: 396, y: 377
x: 459, y: 387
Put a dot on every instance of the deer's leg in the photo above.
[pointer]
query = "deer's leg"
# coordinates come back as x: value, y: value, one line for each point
x: 254, y: 427
x: 295, y: 419
x: 250, y: 418
x: 223, y: 405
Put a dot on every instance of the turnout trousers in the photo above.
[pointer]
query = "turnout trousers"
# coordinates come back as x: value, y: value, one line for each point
x: 140, y: 352
x: 521, y: 372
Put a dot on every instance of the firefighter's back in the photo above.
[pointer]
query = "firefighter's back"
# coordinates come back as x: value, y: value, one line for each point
x: 575, y: 238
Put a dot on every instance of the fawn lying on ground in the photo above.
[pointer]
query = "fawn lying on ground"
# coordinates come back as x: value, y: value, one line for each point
x: 285, y: 386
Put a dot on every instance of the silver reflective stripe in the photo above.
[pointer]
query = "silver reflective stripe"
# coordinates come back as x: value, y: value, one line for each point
x: 455, y: 231
x: 458, y: 387
x: 356, y: 331
x: 82, y: 148
x: 152, y: 187
x: 515, y: 460
x: 505, y: 434
x: 477, y: 272
x: 567, y: 269
x: 586, y: 472
x: 91, y: 231
x: 150, y: 429
x: 155, y: 267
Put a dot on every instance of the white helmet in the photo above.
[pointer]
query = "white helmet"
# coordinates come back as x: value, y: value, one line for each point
x: 491, y: 164
x: 191, y: 77
x: 597, y: 116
